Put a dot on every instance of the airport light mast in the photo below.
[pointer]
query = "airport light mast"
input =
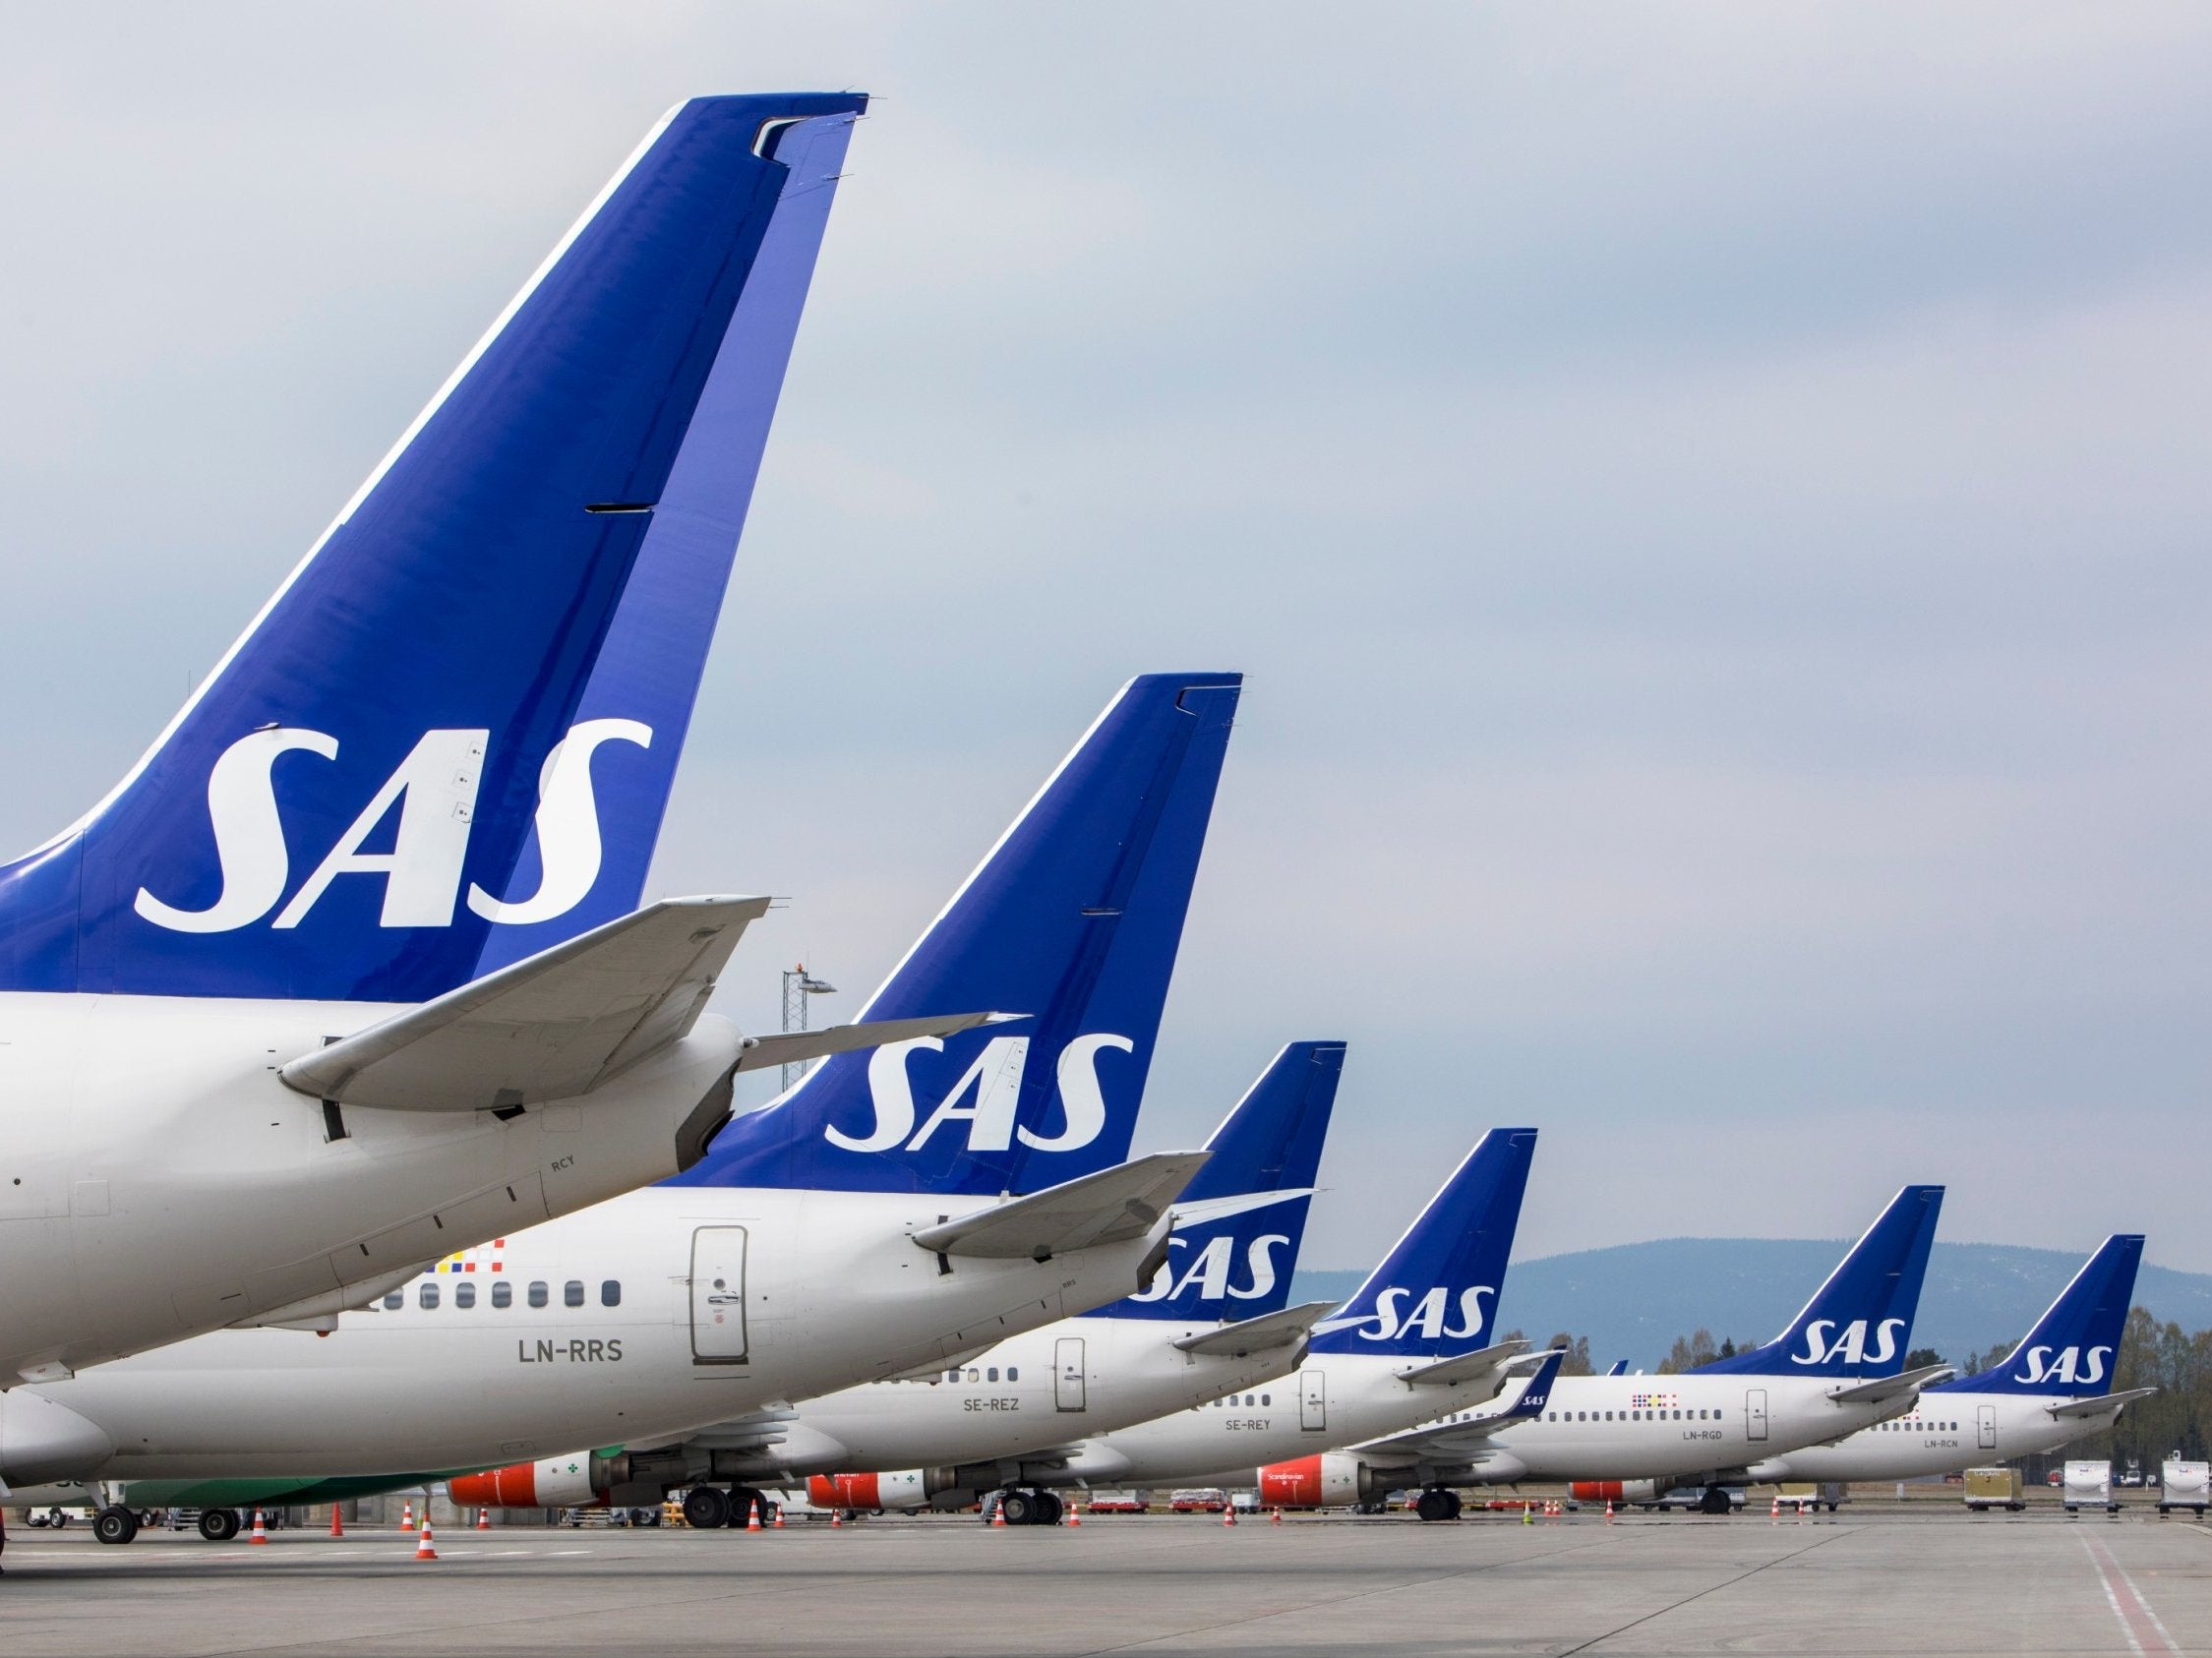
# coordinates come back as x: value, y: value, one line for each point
x: 799, y: 984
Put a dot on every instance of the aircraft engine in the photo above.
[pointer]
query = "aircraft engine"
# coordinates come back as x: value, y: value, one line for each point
x: 1319, y: 1482
x: 552, y: 1482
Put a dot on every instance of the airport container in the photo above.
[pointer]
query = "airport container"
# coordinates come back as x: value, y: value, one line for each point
x: 1812, y: 1495
x: 2185, y: 1485
x: 1993, y: 1488
x: 2088, y: 1485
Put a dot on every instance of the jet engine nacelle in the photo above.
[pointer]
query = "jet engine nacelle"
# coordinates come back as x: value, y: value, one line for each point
x: 552, y: 1482
x: 907, y: 1488
x: 1619, y: 1490
x: 42, y: 1441
x: 1319, y: 1482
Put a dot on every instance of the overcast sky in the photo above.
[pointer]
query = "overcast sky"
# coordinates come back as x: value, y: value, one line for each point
x: 1711, y: 503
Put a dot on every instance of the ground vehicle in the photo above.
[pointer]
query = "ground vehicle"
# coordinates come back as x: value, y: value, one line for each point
x: 58, y: 1518
x: 1198, y: 1499
x: 1993, y: 1488
x: 2089, y: 1486
x: 2185, y: 1485
x: 1117, y: 1503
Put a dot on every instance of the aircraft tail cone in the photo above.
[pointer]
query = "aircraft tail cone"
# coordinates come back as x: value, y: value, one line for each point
x: 423, y: 1549
x: 337, y: 1524
x: 261, y: 1533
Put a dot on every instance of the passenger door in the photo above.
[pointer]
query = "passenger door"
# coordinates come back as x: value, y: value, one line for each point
x: 718, y: 1332
x: 1755, y: 1414
x: 1068, y: 1393
x: 1986, y: 1426
x: 1313, y: 1400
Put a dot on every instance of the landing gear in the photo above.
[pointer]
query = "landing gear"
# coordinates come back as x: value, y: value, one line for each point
x: 1437, y: 1503
x: 218, y: 1525
x: 115, y: 1525
x: 705, y: 1509
x: 1030, y: 1506
x: 1715, y: 1501
x: 1054, y: 1508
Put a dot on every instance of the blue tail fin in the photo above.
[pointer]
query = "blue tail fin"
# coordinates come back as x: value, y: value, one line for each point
x: 1073, y: 918
x: 1859, y: 1321
x: 1436, y: 1292
x: 2071, y: 1347
x: 448, y: 741
x: 1236, y: 1263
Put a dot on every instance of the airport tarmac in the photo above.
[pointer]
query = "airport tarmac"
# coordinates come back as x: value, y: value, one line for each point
x: 1903, y: 1581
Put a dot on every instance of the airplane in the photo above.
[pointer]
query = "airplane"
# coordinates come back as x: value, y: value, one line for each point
x: 722, y: 1291
x: 349, y: 971
x: 1216, y: 1317
x: 2054, y: 1389
x: 1838, y: 1367
x: 1416, y: 1336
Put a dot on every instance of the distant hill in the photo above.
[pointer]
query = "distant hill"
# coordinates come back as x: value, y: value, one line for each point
x: 1632, y: 1301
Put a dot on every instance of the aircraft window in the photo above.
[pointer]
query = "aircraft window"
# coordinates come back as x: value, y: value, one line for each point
x: 395, y: 1300
x: 1267, y: 1398
x: 1250, y: 1400
x: 538, y: 1294
x: 503, y: 1294
x: 429, y: 1296
x: 952, y: 1376
x: 610, y: 1292
x: 1678, y: 1416
x: 1013, y: 1373
x: 464, y: 1294
x: 1582, y: 1416
x: 571, y: 1293
x: 972, y: 1376
x: 991, y: 1375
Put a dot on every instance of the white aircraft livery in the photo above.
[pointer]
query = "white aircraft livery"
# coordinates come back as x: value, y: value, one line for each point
x: 2056, y: 1387
x: 1838, y: 1367
x: 349, y: 971
x: 715, y: 1298
x: 1215, y: 1317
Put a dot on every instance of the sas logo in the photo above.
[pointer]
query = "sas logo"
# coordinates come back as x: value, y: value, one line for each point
x: 985, y: 1098
x: 1428, y: 1319
x: 1849, y: 1344
x: 2070, y: 1366
x: 435, y: 791
x: 1210, y: 1271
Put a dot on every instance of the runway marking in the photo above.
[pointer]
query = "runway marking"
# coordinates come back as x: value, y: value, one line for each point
x: 2138, y: 1621
x: 1713, y: 1589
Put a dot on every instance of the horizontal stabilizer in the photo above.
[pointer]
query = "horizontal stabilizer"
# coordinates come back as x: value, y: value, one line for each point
x: 2100, y: 1403
x: 1113, y: 1206
x: 1256, y: 1335
x: 1466, y: 1367
x: 1884, y: 1388
x: 793, y: 1047
x: 552, y: 1027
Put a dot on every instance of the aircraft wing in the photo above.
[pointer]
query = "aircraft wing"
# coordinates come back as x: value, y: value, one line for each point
x: 551, y: 1026
x: 790, y: 1047
x: 2097, y: 1405
x: 1883, y: 1388
x: 1466, y: 1366
x: 1466, y: 1439
x: 1111, y: 1205
x: 1285, y: 1329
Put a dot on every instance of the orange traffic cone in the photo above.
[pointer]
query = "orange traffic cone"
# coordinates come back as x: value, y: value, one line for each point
x: 779, y: 1520
x: 407, y: 1516
x: 337, y: 1525
x: 483, y: 1520
x: 752, y: 1517
x: 999, y: 1518
x: 1274, y: 1518
x: 1075, y: 1514
x: 1608, y: 1510
x: 423, y: 1549
x: 259, y: 1535
x: 1229, y: 1514
x: 836, y: 1517
x: 1774, y: 1510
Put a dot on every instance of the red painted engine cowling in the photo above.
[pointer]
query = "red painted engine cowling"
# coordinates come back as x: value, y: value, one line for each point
x: 1316, y: 1482
x: 556, y: 1482
x: 1615, y: 1491
x: 908, y: 1488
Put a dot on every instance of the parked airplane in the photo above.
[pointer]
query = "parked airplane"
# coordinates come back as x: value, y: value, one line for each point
x: 1838, y: 1367
x: 706, y: 1299
x: 348, y: 971
x: 1416, y: 1336
x: 2054, y: 1389
x: 1216, y: 1317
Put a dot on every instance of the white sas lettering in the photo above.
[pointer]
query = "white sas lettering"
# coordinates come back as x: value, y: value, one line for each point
x: 249, y: 833
x: 570, y: 849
